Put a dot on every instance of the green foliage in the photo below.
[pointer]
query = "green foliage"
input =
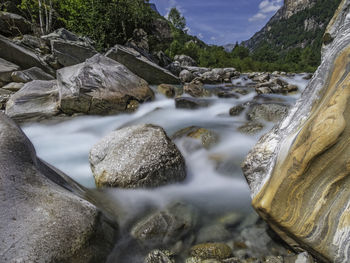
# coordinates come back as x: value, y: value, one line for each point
x: 177, y: 19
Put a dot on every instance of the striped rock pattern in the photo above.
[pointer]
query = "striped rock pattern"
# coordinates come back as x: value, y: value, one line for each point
x: 299, y: 173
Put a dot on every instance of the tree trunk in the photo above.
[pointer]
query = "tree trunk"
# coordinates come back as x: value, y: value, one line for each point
x: 41, y: 17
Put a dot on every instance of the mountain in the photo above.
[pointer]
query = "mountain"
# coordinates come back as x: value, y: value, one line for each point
x: 298, y: 24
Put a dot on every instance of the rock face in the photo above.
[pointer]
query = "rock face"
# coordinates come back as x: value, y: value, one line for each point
x: 41, y: 221
x: 13, y: 25
x: 142, y: 66
x: 298, y: 173
x: 137, y: 156
x: 100, y: 86
x: 36, y: 100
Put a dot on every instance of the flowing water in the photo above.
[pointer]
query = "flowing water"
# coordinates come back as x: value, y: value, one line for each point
x: 214, y: 183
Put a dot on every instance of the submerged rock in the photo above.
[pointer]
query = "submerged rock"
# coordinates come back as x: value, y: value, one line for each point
x: 36, y: 100
x: 100, y: 86
x: 137, y: 156
x: 237, y: 110
x: 298, y: 172
x: 142, y: 66
x: 207, y: 138
x: 42, y: 220
x: 190, y: 103
x: 166, y: 226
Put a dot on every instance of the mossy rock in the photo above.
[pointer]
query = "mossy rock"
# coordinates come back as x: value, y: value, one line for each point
x: 217, y: 251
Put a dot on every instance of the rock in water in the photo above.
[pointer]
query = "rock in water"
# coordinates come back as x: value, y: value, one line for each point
x: 142, y: 66
x: 299, y: 172
x: 41, y: 221
x: 137, y: 156
x: 100, y: 86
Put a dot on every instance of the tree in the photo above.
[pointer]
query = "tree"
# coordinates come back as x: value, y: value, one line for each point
x: 177, y: 19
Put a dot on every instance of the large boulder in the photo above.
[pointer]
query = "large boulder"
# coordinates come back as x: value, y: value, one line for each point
x: 185, y: 61
x: 14, y: 25
x: 36, y: 100
x: 28, y: 75
x: 21, y: 56
x: 186, y: 76
x: 42, y: 220
x: 100, y: 86
x: 68, y: 48
x: 6, y: 69
x: 137, y: 156
x: 142, y: 66
x: 298, y: 172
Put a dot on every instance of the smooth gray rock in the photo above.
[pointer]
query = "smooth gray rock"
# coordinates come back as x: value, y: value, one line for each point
x: 13, y: 24
x: 21, y: 56
x: 185, y: 61
x: 166, y: 226
x: 13, y: 86
x: 136, y: 156
x: 100, y: 85
x: 28, y: 75
x: 6, y: 69
x: 41, y: 219
x: 4, y: 97
x: 36, y: 100
x: 186, y: 76
x: 141, y: 66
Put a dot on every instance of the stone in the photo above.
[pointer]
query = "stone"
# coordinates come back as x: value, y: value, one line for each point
x: 142, y: 66
x: 211, y: 77
x: 34, y: 42
x: 4, y: 97
x: 42, y: 217
x: 36, y: 100
x: 213, y: 233
x: 100, y: 86
x: 208, y: 138
x: 165, y: 226
x: 298, y: 172
x: 167, y: 90
x: 163, y: 60
x: 267, y: 112
x: 227, y: 95
x: 186, y: 76
x: 190, y: 103
x: 174, y: 68
x: 21, y: 56
x: 185, y: 61
x: 29, y: 75
x: 139, y: 41
x: 158, y: 256
x: 237, y: 110
x: 13, y: 86
x: 195, y: 89
x: 211, y: 251
x: 251, y: 128
x: 13, y: 25
x: 6, y: 69
x: 136, y: 156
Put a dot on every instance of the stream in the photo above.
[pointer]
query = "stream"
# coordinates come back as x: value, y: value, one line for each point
x: 214, y: 184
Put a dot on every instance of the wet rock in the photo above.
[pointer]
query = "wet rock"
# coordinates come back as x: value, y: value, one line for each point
x: 305, y: 158
x: 166, y: 226
x: 231, y: 219
x: 308, y: 76
x: 211, y: 251
x: 159, y: 256
x: 274, y: 259
x: 237, y: 110
x: 263, y: 77
x: 31, y: 74
x: 251, y: 128
x: 195, y: 89
x: 14, y: 25
x: 36, y: 100
x: 13, y: 86
x: 213, y: 233
x: 142, y: 66
x: 167, y: 90
x: 100, y: 86
x: 6, y: 69
x: 42, y: 219
x: 227, y: 95
x: 267, y: 112
x: 185, y: 61
x: 21, y: 56
x: 190, y: 103
x: 174, y: 68
x: 136, y: 156
x: 186, y: 76
x: 208, y: 138
x: 212, y: 77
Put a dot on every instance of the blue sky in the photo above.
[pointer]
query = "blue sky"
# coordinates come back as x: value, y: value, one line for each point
x: 222, y: 21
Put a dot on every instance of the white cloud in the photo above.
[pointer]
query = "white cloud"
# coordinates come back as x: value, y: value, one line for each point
x: 213, y: 38
x: 200, y: 35
x: 171, y: 4
x: 266, y: 7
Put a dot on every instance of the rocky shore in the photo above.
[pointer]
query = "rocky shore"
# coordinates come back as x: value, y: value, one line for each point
x: 48, y: 217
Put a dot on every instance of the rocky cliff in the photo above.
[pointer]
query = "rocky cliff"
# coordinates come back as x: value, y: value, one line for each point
x: 298, y: 23
x: 299, y: 172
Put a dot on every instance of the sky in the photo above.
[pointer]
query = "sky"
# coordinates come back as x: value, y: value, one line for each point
x: 222, y: 22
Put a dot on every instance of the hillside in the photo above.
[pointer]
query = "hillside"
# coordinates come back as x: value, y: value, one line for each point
x: 297, y: 26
